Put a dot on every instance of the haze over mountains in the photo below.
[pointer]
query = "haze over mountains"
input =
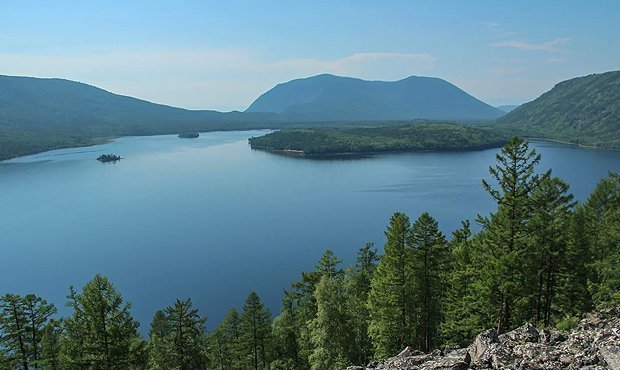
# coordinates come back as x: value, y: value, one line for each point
x: 41, y: 114
x: 332, y: 98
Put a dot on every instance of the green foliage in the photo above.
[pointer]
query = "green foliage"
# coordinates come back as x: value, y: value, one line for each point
x: 178, y: 338
x: 101, y: 334
x: 506, y: 231
x: 583, y: 110
x: 357, y: 282
x: 390, y: 301
x: 27, y: 332
x: 430, y: 264
x: 224, y: 343
x: 255, y: 333
x: 329, y: 330
x: 417, y: 137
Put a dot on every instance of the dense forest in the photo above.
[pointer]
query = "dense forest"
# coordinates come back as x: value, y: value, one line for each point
x: 583, y: 110
x: 541, y: 257
x: 412, y: 137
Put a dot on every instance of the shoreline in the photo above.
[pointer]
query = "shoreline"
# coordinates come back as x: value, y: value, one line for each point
x: 301, y: 153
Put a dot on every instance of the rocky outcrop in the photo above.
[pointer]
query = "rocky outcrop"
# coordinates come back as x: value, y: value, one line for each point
x: 594, y: 344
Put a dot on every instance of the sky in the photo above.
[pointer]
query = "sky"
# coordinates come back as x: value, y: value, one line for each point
x: 223, y: 54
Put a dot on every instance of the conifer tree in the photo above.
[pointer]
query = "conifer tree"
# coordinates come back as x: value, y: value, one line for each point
x: 548, y: 244
x: 430, y: 262
x: 603, y: 220
x: 390, y: 300
x: 462, y: 319
x: 13, y: 339
x: 180, y: 338
x: 330, y: 332
x: 101, y: 334
x: 255, y: 333
x: 286, y: 335
x: 224, y: 343
x: 357, y: 288
x: 505, y: 232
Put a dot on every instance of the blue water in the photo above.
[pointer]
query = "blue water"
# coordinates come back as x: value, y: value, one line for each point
x: 211, y: 219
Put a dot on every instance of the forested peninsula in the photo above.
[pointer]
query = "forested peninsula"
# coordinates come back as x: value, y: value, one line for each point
x: 540, y: 258
x: 423, y: 136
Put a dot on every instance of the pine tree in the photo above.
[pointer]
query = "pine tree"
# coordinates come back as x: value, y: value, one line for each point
x: 462, y: 319
x: 13, y: 339
x: 182, y: 342
x: 25, y: 326
x: 357, y: 287
x: 548, y: 245
x: 506, y: 231
x: 330, y: 332
x: 224, y: 343
x: 390, y: 300
x: 286, y: 335
x: 101, y: 334
x: 304, y: 302
x: 430, y: 262
x: 256, y: 332
x: 603, y: 220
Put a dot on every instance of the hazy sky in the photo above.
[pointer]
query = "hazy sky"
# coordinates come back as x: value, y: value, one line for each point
x: 223, y: 54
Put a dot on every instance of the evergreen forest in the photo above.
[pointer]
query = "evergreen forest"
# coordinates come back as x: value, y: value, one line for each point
x: 540, y: 257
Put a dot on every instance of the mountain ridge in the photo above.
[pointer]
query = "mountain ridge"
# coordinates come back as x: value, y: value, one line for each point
x: 583, y: 110
x: 327, y: 97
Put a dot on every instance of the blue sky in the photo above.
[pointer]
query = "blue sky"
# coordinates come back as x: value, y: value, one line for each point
x: 223, y: 54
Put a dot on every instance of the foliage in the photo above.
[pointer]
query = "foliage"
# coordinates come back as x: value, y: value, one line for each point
x: 421, y: 136
x: 583, y: 110
x: 101, y: 334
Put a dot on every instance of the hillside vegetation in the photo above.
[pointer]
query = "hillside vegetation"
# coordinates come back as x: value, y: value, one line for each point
x: 583, y: 110
x: 334, y: 98
x: 412, y: 137
x: 41, y: 114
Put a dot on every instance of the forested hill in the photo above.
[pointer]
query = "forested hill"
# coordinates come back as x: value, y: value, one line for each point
x: 583, y: 110
x: 332, y: 98
x: 422, y: 136
x: 40, y: 114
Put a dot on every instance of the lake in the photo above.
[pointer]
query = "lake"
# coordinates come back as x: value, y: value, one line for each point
x: 212, y: 219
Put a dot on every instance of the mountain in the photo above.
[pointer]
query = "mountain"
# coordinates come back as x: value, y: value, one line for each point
x: 332, y: 98
x: 507, y: 108
x: 41, y: 114
x: 583, y: 110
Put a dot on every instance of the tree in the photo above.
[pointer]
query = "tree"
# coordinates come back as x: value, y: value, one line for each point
x: 330, y: 332
x: 286, y: 335
x: 178, y: 338
x: 603, y: 220
x: 390, y: 298
x: 357, y: 287
x: 430, y: 259
x: 26, y: 325
x: 101, y: 334
x: 256, y: 332
x: 224, y: 342
x: 462, y: 309
x: 13, y: 328
x: 548, y: 244
x: 506, y: 231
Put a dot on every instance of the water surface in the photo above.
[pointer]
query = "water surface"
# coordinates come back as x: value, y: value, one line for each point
x: 212, y: 219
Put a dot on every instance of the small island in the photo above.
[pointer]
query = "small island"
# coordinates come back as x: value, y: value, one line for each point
x: 189, y: 135
x: 105, y: 158
x: 423, y: 136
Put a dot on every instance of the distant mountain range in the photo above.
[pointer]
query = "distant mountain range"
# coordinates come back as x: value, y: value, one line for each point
x: 332, y: 98
x: 41, y: 114
x: 583, y: 110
